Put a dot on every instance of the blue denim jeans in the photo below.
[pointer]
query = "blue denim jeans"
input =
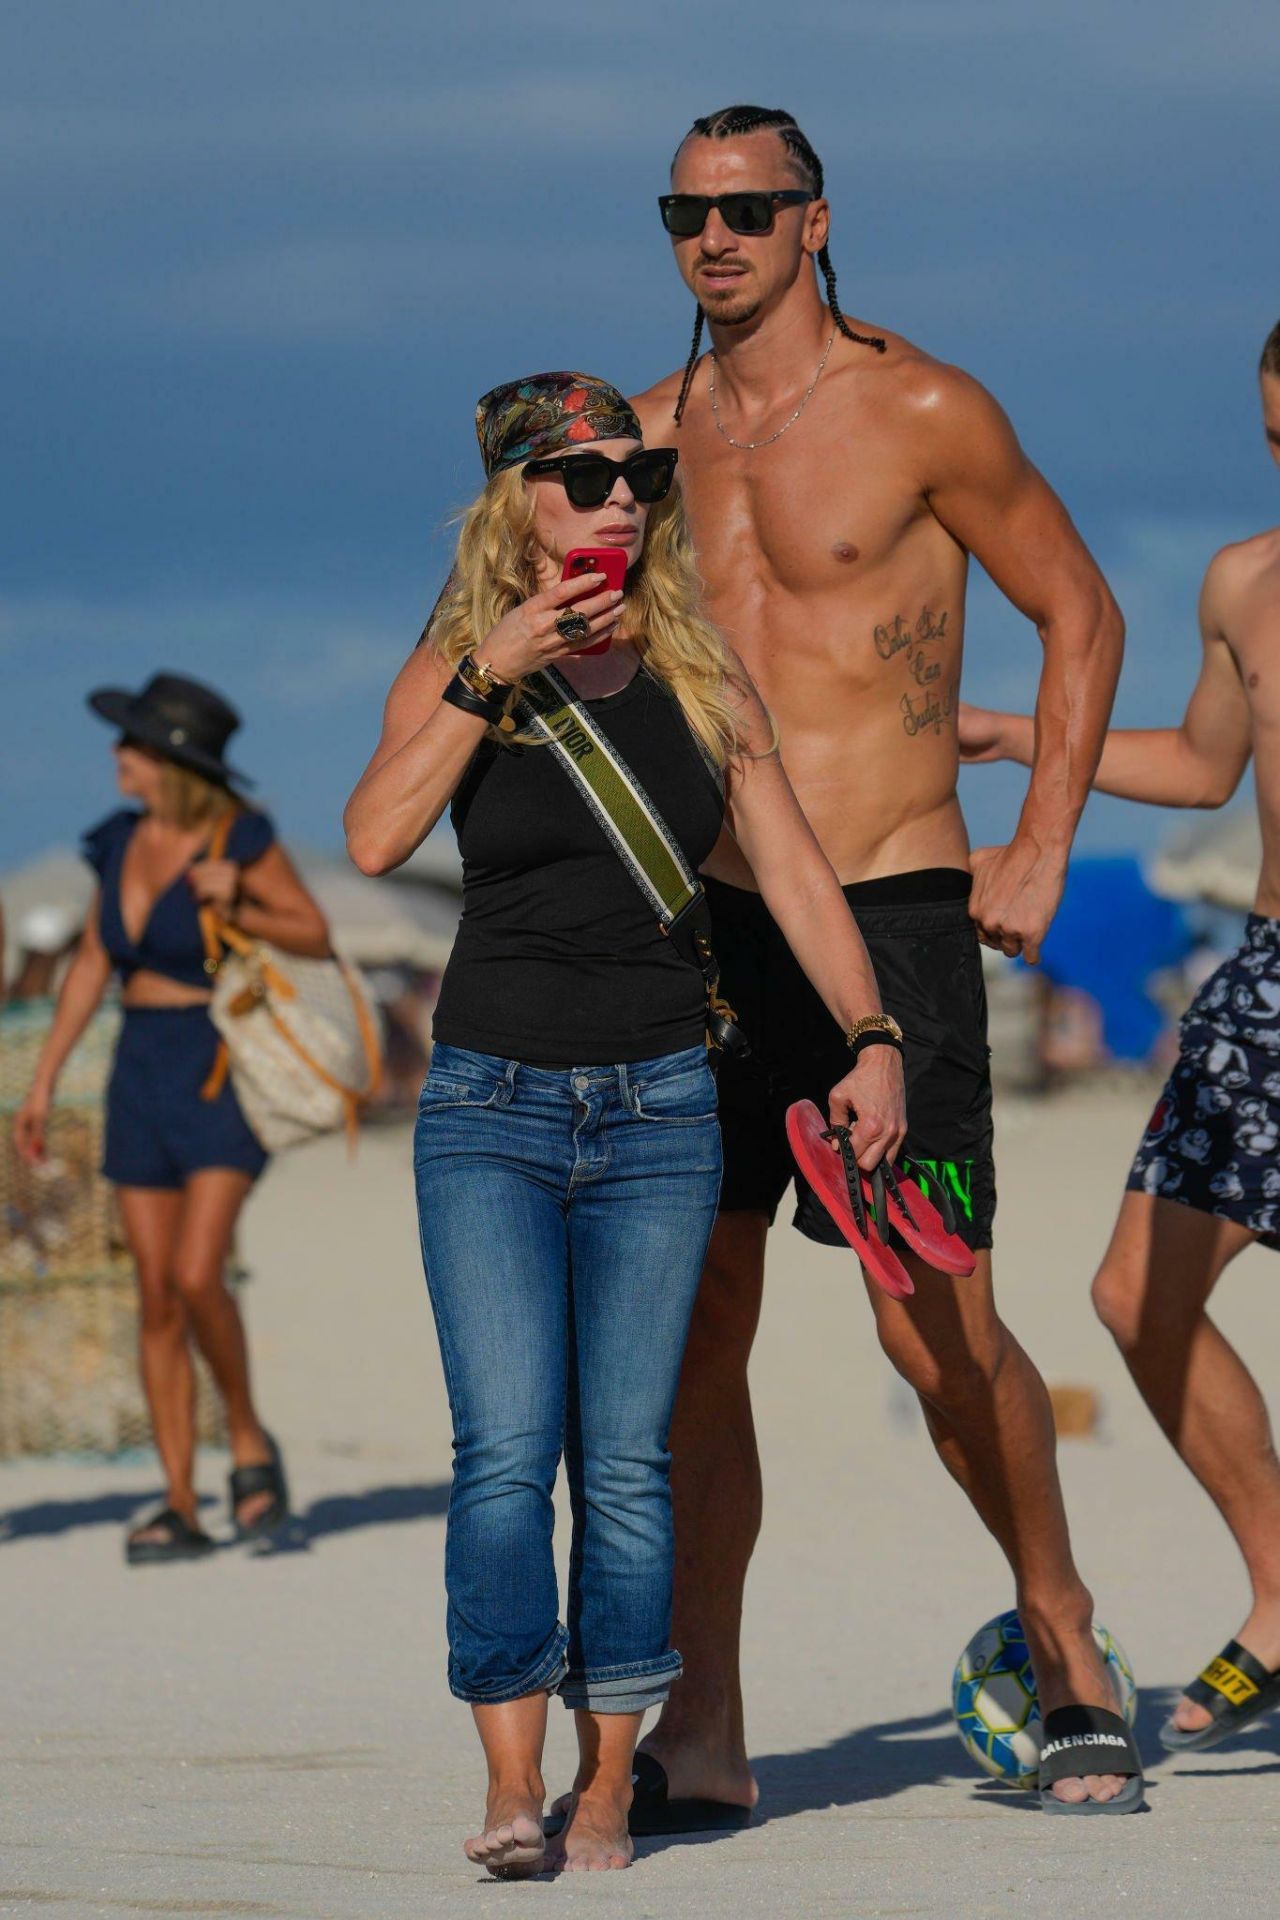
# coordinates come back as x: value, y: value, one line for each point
x: 564, y: 1218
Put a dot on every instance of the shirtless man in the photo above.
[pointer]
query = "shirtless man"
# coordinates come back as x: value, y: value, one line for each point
x: 1206, y: 1180
x: 837, y: 481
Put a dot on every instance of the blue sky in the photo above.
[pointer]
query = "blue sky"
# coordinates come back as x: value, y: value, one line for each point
x: 259, y: 261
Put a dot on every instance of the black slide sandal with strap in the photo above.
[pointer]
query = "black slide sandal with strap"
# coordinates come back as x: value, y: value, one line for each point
x: 266, y: 1477
x: 1235, y: 1688
x: 1085, y: 1740
x: 181, y: 1541
x: 653, y: 1812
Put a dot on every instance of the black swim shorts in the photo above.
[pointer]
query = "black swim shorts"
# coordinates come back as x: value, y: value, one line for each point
x: 1213, y: 1142
x: 929, y: 967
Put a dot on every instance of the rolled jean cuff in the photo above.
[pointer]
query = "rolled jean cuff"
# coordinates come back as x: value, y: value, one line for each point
x: 629, y: 1689
x: 545, y: 1676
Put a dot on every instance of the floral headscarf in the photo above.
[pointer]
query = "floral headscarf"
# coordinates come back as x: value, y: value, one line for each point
x: 547, y: 412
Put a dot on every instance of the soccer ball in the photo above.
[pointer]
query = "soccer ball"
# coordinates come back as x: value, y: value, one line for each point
x: 993, y: 1697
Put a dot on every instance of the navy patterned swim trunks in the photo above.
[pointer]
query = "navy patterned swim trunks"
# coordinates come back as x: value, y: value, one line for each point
x: 1212, y: 1141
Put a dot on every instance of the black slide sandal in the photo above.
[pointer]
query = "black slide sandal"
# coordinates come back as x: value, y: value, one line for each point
x: 181, y: 1540
x: 653, y: 1812
x: 1236, y: 1688
x: 1084, y: 1740
x: 266, y: 1477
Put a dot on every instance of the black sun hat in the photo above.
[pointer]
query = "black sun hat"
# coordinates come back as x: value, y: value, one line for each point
x: 185, y: 721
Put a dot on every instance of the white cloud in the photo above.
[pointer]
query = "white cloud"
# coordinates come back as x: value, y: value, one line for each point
x: 329, y: 121
x: 1154, y: 567
x: 284, y: 651
x: 220, y: 221
x: 309, y: 681
x: 338, y: 287
x: 326, y: 668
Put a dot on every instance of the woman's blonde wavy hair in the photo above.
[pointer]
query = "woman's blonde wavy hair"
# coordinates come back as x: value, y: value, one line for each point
x: 495, y: 568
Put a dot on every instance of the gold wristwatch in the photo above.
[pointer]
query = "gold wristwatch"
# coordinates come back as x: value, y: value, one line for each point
x: 878, y: 1024
x: 481, y: 679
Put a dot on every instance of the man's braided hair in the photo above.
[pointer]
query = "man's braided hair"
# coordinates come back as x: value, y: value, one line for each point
x: 1270, y: 362
x: 728, y: 124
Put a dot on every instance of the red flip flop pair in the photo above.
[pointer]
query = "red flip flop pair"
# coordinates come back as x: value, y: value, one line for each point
x: 863, y: 1205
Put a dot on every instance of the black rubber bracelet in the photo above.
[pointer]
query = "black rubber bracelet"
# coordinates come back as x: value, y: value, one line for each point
x: 460, y: 695
x: 876, y: 1037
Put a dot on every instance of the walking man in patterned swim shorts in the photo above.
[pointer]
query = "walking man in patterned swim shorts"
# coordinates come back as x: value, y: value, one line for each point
x: 1206, y: 1180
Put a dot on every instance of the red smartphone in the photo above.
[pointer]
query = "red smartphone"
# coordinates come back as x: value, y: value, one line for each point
x: 612, y: 563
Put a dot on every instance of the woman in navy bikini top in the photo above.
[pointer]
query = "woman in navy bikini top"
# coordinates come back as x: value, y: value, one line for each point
x: 177, y: 1145
x: 170, y: 942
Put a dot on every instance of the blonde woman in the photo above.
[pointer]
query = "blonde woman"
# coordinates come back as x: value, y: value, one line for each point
x: 178, y: 1147
x: 567, y: 1151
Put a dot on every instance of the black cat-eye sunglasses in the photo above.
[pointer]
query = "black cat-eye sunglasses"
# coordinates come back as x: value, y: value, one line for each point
x: 589, y: 478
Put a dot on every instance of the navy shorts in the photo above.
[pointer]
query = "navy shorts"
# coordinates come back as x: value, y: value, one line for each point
x: 159, y: 1130
x: 1213, y: 1142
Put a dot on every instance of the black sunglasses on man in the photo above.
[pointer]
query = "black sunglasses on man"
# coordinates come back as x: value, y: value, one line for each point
x: 685, y: 214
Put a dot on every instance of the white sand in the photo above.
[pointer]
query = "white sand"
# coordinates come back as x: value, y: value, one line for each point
x: 275, y: 1737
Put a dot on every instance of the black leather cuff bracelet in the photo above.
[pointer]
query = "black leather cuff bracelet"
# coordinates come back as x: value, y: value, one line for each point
x: 460, y: 695
x: 877, y: 1037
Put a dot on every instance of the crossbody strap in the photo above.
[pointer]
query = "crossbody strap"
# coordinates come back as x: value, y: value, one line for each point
x: 210, y: 925
x: 634, y: 829
x: 211, y: 936
x: 219, y: 935
x: 627, y: 816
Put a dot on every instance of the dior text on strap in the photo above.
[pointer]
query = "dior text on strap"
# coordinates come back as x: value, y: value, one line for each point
x: 638, y: 834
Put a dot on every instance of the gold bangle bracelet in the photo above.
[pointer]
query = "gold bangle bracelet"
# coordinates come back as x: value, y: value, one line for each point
x: 481, y: 679
x: 874, y: 1023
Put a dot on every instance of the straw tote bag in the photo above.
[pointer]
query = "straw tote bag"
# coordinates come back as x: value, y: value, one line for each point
x: 300, y: 1038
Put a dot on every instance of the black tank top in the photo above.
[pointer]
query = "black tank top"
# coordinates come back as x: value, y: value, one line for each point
x: 558, y: 959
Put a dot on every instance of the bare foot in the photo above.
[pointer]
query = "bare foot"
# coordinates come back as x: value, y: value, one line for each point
x: 1261, y: 1635
x: 512, y: 1845
x: 1075, y: 1675
x: 594, y: 1838
x: 1092, y: 1786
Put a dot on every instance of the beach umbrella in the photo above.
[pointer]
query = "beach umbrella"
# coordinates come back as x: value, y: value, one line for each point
x: 1216, y: 861
x: 385, y: 922
x: 399, y: 920
x: 1109, y: 939
x: 437, y: 859
x: 56, y: 886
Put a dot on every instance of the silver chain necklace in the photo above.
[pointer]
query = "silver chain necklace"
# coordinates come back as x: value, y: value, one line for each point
x: 749, y: 446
